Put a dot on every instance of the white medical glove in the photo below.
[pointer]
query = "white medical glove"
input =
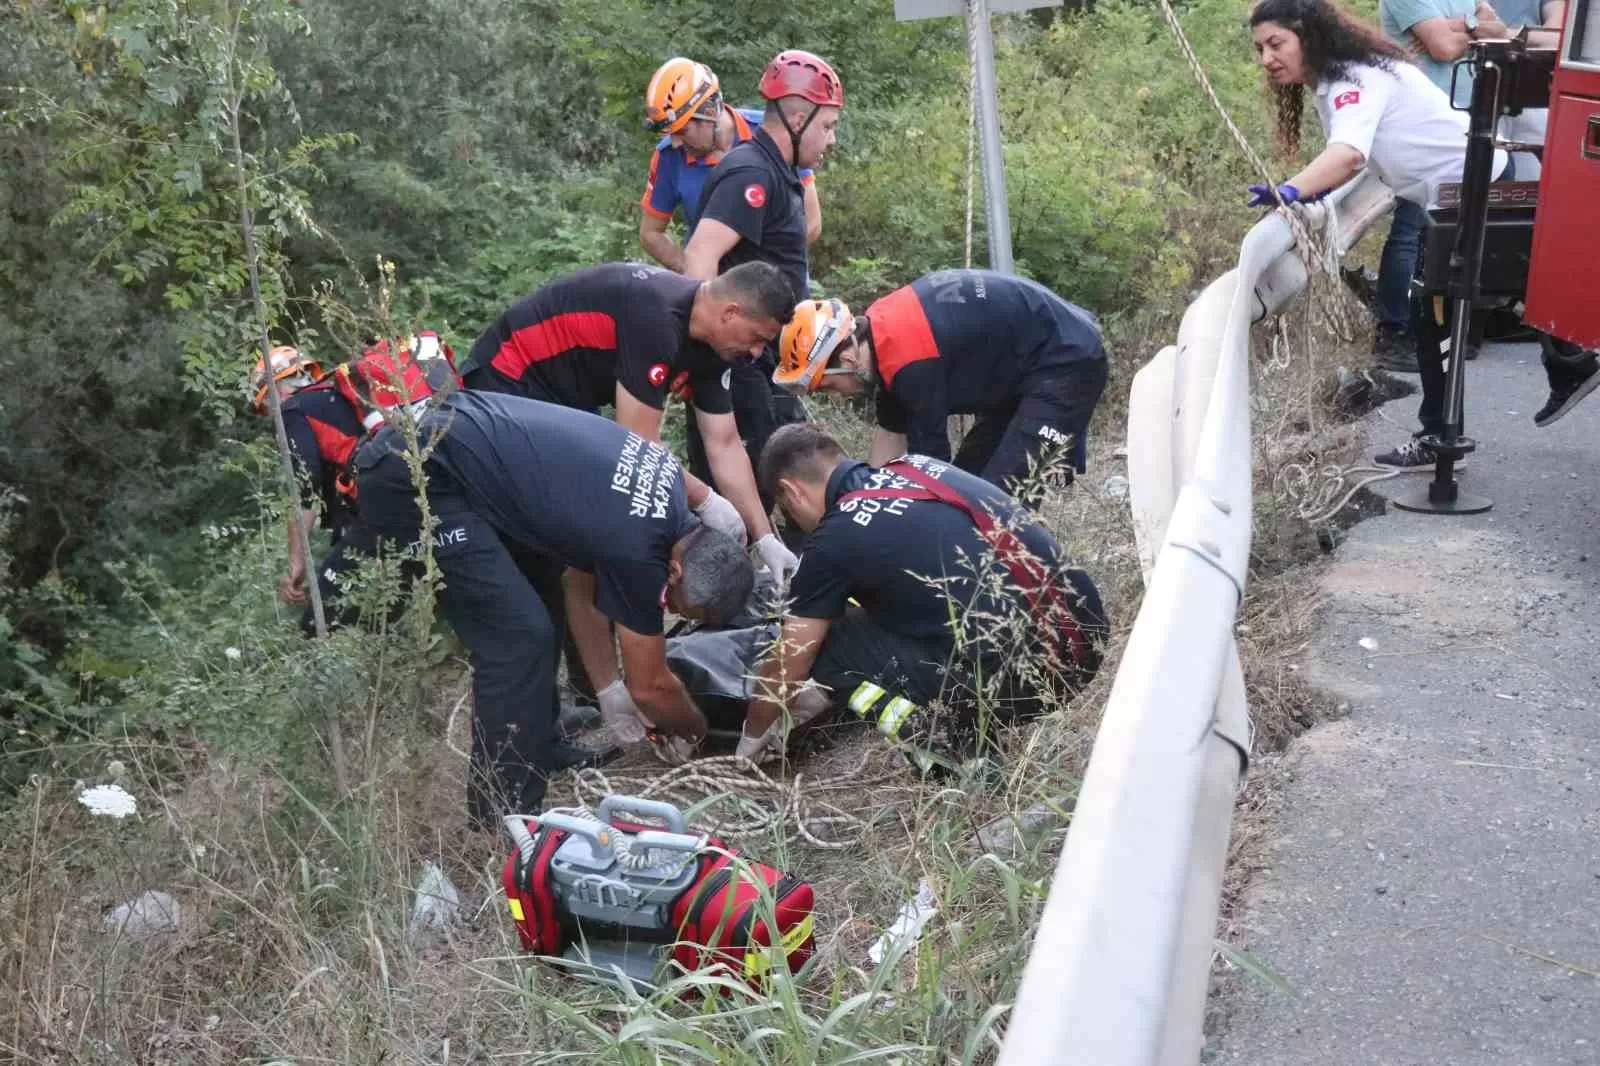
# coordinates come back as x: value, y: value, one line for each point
x: 752, y: 747
x: 620, y: 715
x: 777, y: 558
x: 722, y: 516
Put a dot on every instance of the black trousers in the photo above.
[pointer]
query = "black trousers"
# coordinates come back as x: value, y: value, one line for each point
x: 1054, y: 410
x: 893, y: 682
x: 506, y: 605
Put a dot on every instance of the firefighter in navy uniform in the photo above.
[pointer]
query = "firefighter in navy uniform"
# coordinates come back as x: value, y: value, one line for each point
x: 323, y: 431
x: 926, y: 550
x: 753, y: 210
x: 1027, y: 363
x: 633, y: 335
x: 524, y: 491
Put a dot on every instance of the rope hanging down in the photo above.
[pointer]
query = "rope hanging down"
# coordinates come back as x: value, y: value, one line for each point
x: 972, y: 118
x: 1316, y: 255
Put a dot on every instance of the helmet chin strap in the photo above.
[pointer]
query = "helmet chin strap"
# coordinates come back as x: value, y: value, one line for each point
x: 796, y: 135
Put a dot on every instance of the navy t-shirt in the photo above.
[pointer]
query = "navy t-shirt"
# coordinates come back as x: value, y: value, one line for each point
x: 758, y: 195
x: 573, y: 486
x: 576, y: 338
x: 906, y: 561
x: 961, y: 342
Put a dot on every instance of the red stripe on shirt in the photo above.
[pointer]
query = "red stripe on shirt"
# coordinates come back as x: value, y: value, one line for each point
x: 901, y: 333
x: 553, y: 336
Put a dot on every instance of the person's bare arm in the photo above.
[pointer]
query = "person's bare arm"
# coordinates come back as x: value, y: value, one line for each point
x: 730, y: 468
x: 711, y: 241
x: 292, y: 586
x: 787, y: 667
x: 591, y: 630
x: 886, y: 446
x: 1490, y: 26
x: 655, y: 688
x: 813, y: 213
x: 1333, y: 166
x: 1445, y: 39
x: 658, y: 243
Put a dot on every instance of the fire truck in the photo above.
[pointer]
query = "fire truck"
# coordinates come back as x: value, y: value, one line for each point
x: 1563, y: 297
x: 1541, y: 239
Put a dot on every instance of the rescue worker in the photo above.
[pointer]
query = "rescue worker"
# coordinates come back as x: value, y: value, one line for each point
x: 752, y: 209
x: 521, y: 491
x: 1029, y: 364
x: 1378, y: 110
x: 958, y: 585
x: 683, y: 103
x: 631, y: 335
x: 323, y: 431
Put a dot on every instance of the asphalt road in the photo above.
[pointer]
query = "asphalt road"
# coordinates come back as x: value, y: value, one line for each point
x: 1433, y: 895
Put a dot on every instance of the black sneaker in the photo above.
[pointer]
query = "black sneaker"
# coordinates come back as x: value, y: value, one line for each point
x: 575, y: 719
x: 565, y: 755
x: 1395, y: 349
x: 1412, y: 455
x: 1565, y: 393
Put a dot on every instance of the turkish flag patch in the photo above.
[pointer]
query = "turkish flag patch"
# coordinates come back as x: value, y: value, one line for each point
x: 1345, y: 99
x: 657, y: 375
x: 755, y: 195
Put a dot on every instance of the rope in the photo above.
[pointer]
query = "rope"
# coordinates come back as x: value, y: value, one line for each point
x: 764, y: 803
x: 1316, y: 493
x: 1314, y: 253
x: 972, y: 118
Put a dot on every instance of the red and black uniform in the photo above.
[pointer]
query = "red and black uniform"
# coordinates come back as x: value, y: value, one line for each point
x: 578, y: 337
x: 757, y: 194
x: 324, y: 431
x: 523, y: 490
x: 904, y: 542
x: 1029, y: 364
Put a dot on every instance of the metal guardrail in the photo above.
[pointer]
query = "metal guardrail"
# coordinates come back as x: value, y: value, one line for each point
x: 1120, y: 966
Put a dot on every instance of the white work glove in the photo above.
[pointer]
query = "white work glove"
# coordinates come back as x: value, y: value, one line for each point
x: 752, y: 748
x: 777, y: 558
x: 722, y: 516
x: 805, y: 706
x: 620, y: 715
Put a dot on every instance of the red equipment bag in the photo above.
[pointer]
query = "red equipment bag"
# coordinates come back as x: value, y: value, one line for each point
x: 720, y: 924
x: 386, y: 377
x: 715, y: 925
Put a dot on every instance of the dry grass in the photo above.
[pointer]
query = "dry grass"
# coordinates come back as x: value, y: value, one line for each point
x: 293, y: 946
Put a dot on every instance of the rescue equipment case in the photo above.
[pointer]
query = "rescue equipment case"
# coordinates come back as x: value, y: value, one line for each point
x: 609, y: 895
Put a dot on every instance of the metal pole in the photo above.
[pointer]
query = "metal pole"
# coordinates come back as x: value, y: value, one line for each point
x: 994, y: 173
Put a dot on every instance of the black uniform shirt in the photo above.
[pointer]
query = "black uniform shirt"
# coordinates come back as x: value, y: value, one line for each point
x: 572, y: 341
x: 754, y: 192
x: 967, y: 342
x: 573, y: 486
x: 907, y: 561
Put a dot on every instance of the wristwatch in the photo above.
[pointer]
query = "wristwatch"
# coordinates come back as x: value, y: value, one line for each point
x: 1472, y: 22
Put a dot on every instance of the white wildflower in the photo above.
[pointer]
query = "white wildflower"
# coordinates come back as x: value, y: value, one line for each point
x: 113, y: 801
x: 233, y: 654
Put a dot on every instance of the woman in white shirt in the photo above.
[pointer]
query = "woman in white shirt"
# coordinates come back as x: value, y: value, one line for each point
x: 1376, y: 110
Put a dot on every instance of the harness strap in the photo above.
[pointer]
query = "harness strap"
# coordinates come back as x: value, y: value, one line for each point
x: 1025, y: 568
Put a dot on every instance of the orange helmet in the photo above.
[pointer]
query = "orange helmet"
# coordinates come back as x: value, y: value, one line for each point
x: 288, y: 362
x: 797, y: 73
x: 679, y: 89
x: 809, y: 341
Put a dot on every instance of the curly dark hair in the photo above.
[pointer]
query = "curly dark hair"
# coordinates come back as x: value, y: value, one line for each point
x: 1331, y: 41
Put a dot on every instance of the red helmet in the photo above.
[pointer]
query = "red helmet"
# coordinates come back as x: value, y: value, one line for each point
x: 797, y: 73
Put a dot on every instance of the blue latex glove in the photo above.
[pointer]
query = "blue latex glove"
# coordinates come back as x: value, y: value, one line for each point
x: 1266, y: 196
